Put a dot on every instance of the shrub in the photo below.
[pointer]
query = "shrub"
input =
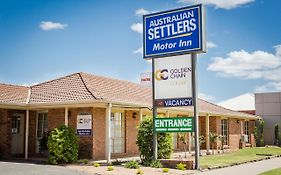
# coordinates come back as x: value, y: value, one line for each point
x: 110, y: 168
x: 276, y: 135
x: 156, y: 164
x: 132, y: 165
x: 181, y: 166
x: 259, y: 133
x: 139, y: 171
x: 166, y: 170
x: 43, y: 144
x: 96, y: 164
x: 145, y: 142
x: 62, y: 145
x: 84, y: 161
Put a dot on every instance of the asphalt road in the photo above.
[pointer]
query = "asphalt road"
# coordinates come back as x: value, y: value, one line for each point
x: 11, y: 168
x: 247, y: 169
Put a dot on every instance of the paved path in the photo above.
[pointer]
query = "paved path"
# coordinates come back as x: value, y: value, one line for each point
x: 10, y: 168
x: 247, y: 169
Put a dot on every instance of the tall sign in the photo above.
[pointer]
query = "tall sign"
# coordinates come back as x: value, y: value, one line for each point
x: 174, y: 32
x: 173, y: 81
x: 169, y: 33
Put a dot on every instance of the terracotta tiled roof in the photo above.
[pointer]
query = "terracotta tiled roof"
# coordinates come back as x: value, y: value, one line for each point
x: 13, y: 94
x: 64, y: 89
x: 118, y: 91
x: 87, y: 87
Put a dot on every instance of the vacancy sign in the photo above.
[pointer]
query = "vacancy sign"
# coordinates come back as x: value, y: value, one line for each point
x: 174, y: 32
x: 84, y: 125
x: 175, y: 124
x: 173, y: 81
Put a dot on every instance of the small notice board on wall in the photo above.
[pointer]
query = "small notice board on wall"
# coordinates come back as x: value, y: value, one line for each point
x: 84, y: 125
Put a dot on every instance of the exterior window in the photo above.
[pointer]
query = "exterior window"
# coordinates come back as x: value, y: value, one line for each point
x: 42, y: 123
x: 224, y: 130
x: 15, y: 124
x: 117, y: 132
x: 246, y: 130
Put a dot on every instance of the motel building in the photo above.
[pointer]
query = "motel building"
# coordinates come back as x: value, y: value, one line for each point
x: 116, y: 108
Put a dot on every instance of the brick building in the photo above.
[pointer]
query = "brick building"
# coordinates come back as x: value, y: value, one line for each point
x: 116, y: 108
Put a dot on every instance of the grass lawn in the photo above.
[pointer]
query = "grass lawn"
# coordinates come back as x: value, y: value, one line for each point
x: 238, y: 156
x: 272, y: 172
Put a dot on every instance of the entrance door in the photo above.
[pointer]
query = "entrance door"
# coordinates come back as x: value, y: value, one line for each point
x: 17, y: 133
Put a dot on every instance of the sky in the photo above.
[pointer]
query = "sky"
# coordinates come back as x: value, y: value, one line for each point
x: 47, y: 39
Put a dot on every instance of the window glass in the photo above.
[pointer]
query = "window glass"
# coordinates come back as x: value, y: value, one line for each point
x: 42, y: 123
x: 117, y: 133
x: 224, y: 130
x: 246, y: 130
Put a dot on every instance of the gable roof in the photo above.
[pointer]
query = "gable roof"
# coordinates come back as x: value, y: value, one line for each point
x: 87, y: 87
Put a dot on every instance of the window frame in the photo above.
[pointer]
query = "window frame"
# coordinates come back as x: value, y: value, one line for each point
x: 122, y: 138
x: 225, y: 130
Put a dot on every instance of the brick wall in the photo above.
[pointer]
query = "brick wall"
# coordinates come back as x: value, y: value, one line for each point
x: 5, y: 136
x: 32, y: 133
x: 251, y: 130
x: 131, y: 132
x: 99, y: 133
x: 234, y: 129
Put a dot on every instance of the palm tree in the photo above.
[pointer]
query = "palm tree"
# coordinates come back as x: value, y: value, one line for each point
x: 222, y: 139
x: 201, y: 141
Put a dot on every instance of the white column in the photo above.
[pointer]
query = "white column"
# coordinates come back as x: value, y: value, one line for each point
x: 207, y: 133
x: 108, y: 135
x: 141, y: 115
x: 66, y: 116
x: 26, y: 133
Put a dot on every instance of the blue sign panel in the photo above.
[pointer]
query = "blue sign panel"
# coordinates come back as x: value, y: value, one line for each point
x: 174, y: 32
x: 174, y: 102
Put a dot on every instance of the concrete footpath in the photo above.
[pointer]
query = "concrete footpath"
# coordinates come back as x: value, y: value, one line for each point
x: 246, y: 169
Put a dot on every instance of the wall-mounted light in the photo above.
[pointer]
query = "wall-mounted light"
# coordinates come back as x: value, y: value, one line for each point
x: 237, y: 121
x: 69, y: 114
x: 134, y: 115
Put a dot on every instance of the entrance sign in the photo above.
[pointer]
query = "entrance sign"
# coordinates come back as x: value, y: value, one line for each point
x: 173, y: 81
x: 84, y: 125
x: 178, y: 124
x: 174, y: 32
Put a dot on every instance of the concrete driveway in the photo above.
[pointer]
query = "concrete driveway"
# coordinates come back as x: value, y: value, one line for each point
x: 11, y: 168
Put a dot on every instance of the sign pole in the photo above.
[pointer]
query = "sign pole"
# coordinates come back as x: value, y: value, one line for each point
x: 154, y: 111
x: 194, y: 95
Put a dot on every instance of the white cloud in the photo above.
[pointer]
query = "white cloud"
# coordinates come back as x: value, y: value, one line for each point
x: 224, y: 4
x: 211, y: 45
x: 255, y: 65
x: 137, y: 27
x: 242, y: 64
x: 142, y: 11
x: 269, y: 87
x: 49, y: 25
x: 138, y: 51
x: 206, y: 97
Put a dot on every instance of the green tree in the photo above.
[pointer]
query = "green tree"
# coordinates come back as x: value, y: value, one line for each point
x: 145, y: 142
x: 259, y: 133
x: 276, y: 135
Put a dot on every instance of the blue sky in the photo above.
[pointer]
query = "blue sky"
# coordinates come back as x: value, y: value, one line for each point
x: 46, y: 39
